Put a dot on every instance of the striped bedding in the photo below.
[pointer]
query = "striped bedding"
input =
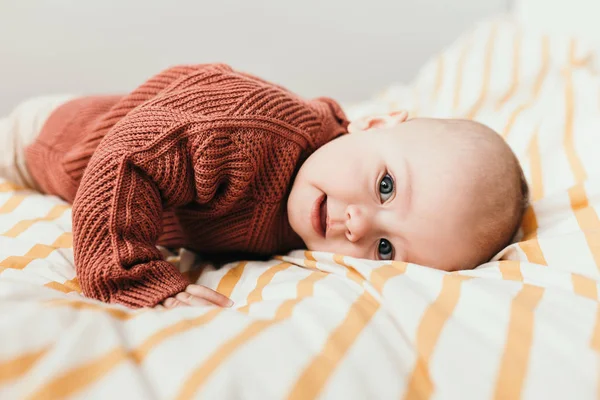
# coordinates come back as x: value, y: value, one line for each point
x: 318, y: 325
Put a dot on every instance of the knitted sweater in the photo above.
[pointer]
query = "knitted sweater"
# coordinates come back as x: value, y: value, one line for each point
x: 199, y: 156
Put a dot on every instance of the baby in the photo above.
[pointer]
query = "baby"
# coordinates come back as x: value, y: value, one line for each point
x: 447, y: 194
x: 220, y: 161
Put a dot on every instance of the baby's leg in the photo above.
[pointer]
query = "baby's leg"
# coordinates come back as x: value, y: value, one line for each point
x: 19, y: 130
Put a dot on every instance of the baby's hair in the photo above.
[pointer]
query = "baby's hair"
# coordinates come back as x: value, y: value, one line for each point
x: 523, y: 201
x: 505, y: 219
x: 504, y: 192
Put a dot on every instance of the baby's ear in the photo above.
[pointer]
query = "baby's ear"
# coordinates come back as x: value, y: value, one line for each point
x: 379, y: 121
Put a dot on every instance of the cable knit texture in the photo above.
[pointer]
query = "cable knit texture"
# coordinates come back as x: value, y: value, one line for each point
x: 199, y: 156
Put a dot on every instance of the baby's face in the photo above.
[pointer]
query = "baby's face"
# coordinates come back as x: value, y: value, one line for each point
x: 393, y: 194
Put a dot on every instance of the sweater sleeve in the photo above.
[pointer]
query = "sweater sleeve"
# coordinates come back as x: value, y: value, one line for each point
x: 140, y: 167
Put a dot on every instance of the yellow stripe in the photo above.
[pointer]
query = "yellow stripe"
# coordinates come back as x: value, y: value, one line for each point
x: 9, y: 187
x: 141, y: 352
x: 537, y: 87
x: 58, y: 286
x: 487, y: 71
x: 529, y: 225
x: 263, y: 280
x: 511, y: 271
x: 586, y: 216
x: 573, y: 61
x: 515, y: 72
x: 585, y: 61
x: 351, y: 273
x: 311, y: 264
x: 40, y: 251
x: 82, y: 305
x: 80, y: 377
x: 20, y: 365
x: 315, y: 376
x: 513, y: 117
x: 428, y: 334
x: 515, y: 359
x: 459, y: 74
x: 595, y: 345
x: 535, y: 165
x: 14, y: 262
x: 230, y: 279
x: 584, y: 286
x: 70, y: 383
x: 64, y: 241
x: 587, y: 219
x: 309, y: 256
x: 23, y: 225
x: 381, y: 275
x: 69, y: 286
x: 439, y: 77
x: 197, y: 378
x: 541, y: 77
x: 595, y: 342
x: 313, y: 379
x: 571, y: 50
x: 533, y: 251
x: 200, y: 375
x: 568, y: 140
x: 20, y: 262
x: 12, y: 203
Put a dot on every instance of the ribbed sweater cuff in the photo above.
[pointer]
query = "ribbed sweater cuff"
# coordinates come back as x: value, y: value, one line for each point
x: 162, y: 281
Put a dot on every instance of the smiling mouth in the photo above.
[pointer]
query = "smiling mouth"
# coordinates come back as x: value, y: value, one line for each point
x: 319, y: 215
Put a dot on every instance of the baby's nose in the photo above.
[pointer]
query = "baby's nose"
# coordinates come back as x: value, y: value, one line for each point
x: 358, y: 223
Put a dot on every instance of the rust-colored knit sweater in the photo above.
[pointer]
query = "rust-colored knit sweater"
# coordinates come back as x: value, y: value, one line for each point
x: 199, y: 156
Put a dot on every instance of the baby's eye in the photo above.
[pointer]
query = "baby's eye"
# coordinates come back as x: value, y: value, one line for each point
x: 385, y: 250
x: 386, y: 188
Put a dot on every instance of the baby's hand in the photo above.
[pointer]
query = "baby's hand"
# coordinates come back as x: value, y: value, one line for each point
x: 196, y: 295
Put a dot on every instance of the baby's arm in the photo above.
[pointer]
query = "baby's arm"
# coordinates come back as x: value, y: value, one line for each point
x: 117, y: 218
x: 141, y: 166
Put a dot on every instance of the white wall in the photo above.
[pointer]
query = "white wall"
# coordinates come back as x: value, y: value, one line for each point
x: 347, y: 49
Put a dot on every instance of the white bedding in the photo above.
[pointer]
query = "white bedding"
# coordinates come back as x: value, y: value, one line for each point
x: 317, y: 325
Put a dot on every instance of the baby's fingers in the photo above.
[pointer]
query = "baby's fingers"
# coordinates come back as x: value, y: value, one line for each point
x: 172, y: 302
x: 205, y: 293
x: 191, y: 300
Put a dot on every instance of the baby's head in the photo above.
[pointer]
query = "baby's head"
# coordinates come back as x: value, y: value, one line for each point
x: 447, y: 194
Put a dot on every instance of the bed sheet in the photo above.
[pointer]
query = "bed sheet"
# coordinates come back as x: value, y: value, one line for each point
x: 318, y: 325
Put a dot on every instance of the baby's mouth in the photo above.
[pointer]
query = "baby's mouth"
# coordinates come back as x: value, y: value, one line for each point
x: 324, y: 216
x: 318, y: 215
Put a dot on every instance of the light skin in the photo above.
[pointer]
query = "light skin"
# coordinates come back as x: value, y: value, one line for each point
x: 196, y: 295
x: 393, y: 189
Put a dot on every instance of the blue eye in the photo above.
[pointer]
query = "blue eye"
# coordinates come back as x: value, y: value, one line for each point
x: 385, y: 250
x: 386, y: 188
